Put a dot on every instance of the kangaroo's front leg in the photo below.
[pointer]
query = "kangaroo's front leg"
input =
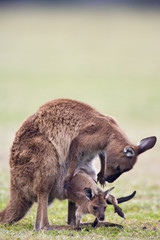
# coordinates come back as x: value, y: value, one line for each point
x: 95, y: 222
x: 78, y: 218
x: 90, y: 139
x: 71, y: 212
x: 117, y: 209
x: 100, y: 175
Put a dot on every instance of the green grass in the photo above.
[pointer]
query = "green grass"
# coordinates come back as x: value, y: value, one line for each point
x: 142, y: 220
x: 108, y: 58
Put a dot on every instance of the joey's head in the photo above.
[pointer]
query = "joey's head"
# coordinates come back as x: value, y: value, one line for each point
x: 121, y: 156
x: 97, y: 203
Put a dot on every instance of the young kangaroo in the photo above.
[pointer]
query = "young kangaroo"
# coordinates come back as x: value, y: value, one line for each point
x: 50, y: 144
x: 90, y: 198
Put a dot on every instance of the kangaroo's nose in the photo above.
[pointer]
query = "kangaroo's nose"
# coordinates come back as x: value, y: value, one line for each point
x: 101, y: 218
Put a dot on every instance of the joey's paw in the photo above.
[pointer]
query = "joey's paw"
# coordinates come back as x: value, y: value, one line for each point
x: 119, y: 211
x: 100, y: 179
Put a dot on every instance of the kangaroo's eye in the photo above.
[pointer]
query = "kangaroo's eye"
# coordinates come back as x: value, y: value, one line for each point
x: 94, y: 208
x: 129, y: 151
x: 118, y: 168
x: 104, y: 208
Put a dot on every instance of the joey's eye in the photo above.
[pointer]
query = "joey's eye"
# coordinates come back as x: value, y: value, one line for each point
x: 94, y: 208
x: 104, y: 208
x: 118, y: 168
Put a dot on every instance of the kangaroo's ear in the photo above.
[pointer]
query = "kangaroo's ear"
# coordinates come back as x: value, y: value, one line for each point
x: 146, y: 144
x: 106, y: 193
x: 89, y: 193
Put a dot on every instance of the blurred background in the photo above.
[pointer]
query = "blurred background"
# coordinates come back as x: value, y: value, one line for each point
x: 104, y: 53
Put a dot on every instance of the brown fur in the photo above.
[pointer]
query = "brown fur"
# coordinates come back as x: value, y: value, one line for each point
x: 82, y: 182
x: 62, y: 135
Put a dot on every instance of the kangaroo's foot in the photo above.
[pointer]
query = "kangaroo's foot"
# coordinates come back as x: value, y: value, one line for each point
x: 108, y: 224
x: 100, y: 224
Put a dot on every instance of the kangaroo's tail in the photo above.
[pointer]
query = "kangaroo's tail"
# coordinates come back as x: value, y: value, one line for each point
x: 17, y: 207
x: 124, y: 199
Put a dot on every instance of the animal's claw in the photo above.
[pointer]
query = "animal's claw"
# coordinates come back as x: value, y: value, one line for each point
x: 100, y: 179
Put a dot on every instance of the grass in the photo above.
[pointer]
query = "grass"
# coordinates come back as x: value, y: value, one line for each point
x: 142, y: 221
x: 108, y: 58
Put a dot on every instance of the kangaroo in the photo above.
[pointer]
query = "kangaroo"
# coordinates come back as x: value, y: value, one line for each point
x: 50, y: 144
x: 90, y: 198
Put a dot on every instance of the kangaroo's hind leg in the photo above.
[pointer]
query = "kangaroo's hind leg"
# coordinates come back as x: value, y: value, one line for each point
x: 42, y: 213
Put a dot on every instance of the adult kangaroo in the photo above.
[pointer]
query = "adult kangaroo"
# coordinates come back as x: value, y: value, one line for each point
x: 62, y: 135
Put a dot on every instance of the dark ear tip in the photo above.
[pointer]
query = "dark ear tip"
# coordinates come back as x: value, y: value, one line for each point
x: 154, y: 139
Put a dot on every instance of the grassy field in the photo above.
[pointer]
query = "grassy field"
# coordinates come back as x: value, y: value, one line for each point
x: 109, y: 58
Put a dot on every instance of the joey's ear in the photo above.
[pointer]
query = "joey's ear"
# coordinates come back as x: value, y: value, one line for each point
x: 89, y: 193
x: 106, y: 193
x: 146, y: 144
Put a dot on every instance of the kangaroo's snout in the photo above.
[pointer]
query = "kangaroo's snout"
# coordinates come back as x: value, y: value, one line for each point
x: 101, y: 218
x: 112, y: 178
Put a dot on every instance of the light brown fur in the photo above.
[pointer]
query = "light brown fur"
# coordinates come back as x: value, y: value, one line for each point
x: 80, y: 184
x: 62, y: 135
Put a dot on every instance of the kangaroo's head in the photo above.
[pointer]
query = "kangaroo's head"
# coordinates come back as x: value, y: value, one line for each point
x: 97, y: 202
x: 121, y: 155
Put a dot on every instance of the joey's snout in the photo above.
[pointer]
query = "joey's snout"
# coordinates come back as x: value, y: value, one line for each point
x: 101, y: 218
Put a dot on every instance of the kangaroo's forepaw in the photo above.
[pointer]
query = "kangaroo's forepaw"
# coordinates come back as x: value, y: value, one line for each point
x: 119, y: 211
x: 100, y: 179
